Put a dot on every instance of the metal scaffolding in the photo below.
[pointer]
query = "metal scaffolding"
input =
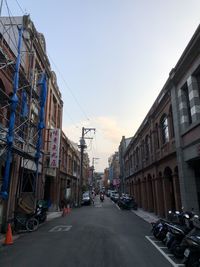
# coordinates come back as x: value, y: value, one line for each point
x: 22, y: 113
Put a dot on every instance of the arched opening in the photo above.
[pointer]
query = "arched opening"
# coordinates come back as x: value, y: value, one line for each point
x: 139, y: 193
x: 160, y: 195
x: 150, y: 193
x: 169, y: 192
x: 177, y: 188
x: 144, y: 194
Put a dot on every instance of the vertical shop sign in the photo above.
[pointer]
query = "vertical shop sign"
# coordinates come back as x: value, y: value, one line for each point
x: 55, y: 148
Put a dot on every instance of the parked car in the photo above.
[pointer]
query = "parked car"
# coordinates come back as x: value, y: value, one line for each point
x: 112, y: 192
x: 108, y: 193
x: 86, y: 198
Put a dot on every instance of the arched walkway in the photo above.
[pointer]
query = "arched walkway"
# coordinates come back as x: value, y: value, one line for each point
x: 168, y: 188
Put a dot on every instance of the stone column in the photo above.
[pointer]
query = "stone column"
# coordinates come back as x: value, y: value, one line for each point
x: 159, y: 197
x: 177, y: 191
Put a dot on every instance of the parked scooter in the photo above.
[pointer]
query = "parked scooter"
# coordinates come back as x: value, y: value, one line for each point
x: 41, y: 212
x: 192, y: 252
x: 160, y: 228
x: 126, y: 202
x: 176, y: 234
x: 191, y: 245
x: 182, y: 237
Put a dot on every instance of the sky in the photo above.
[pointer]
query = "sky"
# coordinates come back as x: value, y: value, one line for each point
x: 111, y: 58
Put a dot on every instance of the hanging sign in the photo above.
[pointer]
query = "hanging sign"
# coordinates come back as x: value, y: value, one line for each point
x: 55, y: 148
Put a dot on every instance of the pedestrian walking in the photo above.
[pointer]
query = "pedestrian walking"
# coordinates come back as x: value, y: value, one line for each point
x: 93, y: 196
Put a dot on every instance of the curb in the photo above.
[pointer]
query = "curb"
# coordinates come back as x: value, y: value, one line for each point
x: 146, y: 216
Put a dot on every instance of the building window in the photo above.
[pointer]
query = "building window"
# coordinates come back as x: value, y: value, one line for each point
x: 171, y: 122
x: 187, y: 102
x: 147, y: 146
x: 164, y: 129
x: 137, y: 157
x: 197, y: 76
x: 157, y: 142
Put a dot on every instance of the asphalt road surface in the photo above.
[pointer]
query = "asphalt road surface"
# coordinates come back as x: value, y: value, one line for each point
x: 91, y: 236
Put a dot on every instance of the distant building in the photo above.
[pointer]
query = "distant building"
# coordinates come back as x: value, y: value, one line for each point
x: 122, y: 148
x: 114, y: 170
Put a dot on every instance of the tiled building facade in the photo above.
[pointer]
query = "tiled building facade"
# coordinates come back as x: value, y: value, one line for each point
x: 185, y: 91
x: 162, y: 161
x: 150, y: 160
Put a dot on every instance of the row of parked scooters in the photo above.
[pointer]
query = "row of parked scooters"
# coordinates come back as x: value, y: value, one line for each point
x: 124, y: 201
x: 181, y: 234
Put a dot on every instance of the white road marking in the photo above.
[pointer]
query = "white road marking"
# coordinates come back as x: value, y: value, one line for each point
x: 117, y: 206
x: 61, y: 228
x: 98, y: 206
x: 164, y: 254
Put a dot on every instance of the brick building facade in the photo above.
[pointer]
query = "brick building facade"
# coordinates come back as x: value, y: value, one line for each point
x: 162, y: 161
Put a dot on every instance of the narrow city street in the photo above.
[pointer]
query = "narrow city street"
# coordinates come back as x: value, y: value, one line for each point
x: 98, y: 235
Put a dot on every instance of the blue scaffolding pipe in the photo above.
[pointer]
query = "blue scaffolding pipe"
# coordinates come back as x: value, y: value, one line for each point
x: 10, y: 134
x: 41, y: 124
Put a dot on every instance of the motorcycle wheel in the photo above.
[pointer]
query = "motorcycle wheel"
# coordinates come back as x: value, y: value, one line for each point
x: 32, y: 224
x: 160, y: 235
x: 177, y: 250
x: 192, y: 262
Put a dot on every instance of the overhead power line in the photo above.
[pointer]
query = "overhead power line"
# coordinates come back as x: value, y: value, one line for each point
x: 68, y: 87
x: 20, y: 7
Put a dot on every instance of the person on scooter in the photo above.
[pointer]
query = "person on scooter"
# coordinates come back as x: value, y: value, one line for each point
x: 102, y: 196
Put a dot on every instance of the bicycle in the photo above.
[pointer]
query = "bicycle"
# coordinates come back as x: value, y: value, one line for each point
x: 24, y: 223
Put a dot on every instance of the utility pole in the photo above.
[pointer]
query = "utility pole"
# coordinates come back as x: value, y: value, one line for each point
x: 93, y: 161
x: 82, y: 147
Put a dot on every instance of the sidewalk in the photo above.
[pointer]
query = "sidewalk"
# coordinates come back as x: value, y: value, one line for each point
x: 147, y: 216
x: 50, y: 216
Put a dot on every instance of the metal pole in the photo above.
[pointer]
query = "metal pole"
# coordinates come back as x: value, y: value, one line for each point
x: 10, y: 134
x: 82, y: 145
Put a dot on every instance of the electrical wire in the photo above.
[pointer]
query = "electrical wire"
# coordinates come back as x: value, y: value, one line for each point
x: 69, y: 89
x: 20, y: 7
x: 15, y: 45
x: 10, y: 21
